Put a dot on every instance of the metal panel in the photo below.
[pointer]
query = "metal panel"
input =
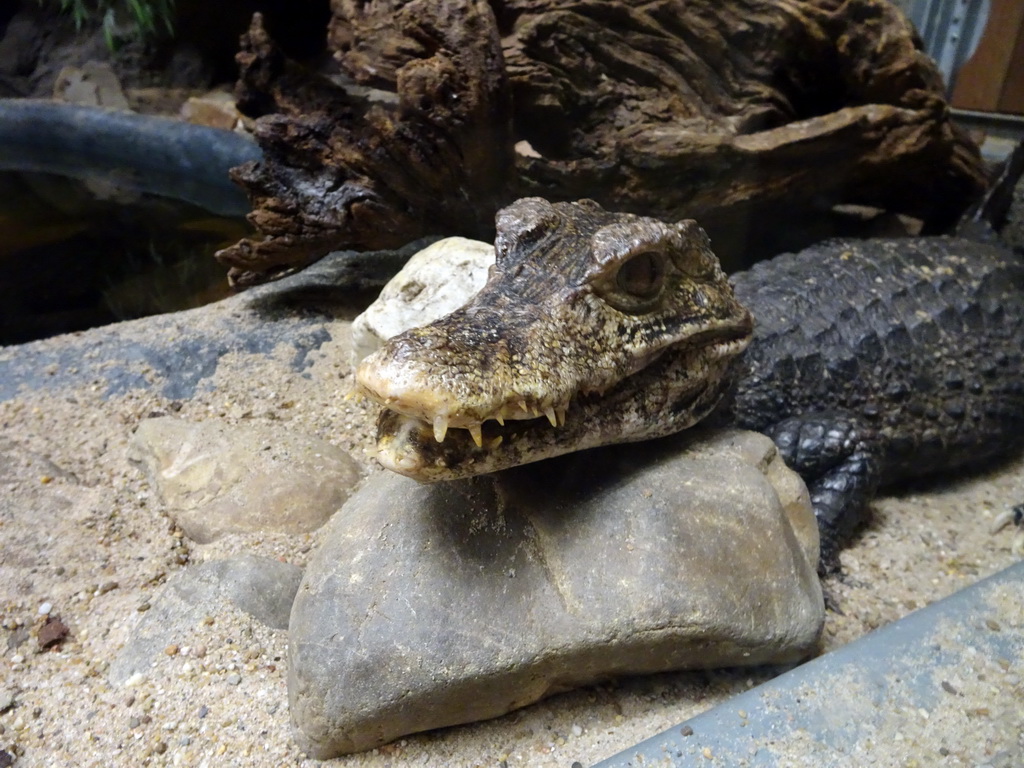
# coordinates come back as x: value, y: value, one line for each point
x: 843, y: 707
x: 951, y: 30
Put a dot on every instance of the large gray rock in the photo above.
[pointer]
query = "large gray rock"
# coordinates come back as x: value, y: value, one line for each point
x: 261, y: 587
x: 217, y: 478
x: 428, y: 606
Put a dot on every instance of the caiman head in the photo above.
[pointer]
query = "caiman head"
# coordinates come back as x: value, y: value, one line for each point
x: 593, y: 328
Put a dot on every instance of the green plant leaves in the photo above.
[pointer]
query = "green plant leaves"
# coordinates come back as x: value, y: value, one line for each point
x: 150, y: 18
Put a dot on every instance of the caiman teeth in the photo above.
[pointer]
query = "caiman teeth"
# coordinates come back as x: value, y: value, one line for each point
x: 560, y: 413
x: 442, y: 423
x: 440, y: 427
x: 550, y: 413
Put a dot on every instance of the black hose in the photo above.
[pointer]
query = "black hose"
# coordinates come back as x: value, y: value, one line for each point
x: 141, y: 153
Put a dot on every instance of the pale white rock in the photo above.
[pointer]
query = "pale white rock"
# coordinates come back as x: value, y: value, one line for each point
x: 217, y: 478
x: 436, y: 281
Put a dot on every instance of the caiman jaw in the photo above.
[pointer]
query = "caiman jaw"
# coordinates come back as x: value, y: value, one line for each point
x: 419, y: 405
x: 594, y: 328
x: 409, y: 445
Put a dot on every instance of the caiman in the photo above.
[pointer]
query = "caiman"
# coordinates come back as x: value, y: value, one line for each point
x: 867, y: 361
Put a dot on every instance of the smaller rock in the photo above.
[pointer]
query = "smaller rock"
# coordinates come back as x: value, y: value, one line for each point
x: 52, y: 633
x: 215, y: 109
x: 261, y: 587
x: 94, y: 84
x: 217, y: 479
x: 435, y: 282
x: 18, y: 638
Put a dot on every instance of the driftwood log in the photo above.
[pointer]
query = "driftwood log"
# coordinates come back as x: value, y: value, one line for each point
x: 748, y: 115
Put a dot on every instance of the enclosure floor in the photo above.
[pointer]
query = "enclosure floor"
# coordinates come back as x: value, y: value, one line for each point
x: 80, y: 529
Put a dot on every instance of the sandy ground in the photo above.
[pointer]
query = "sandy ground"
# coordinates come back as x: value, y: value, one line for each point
x: 82, y: 537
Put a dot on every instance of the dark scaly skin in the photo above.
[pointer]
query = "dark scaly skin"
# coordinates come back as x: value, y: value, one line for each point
x: 875, y: 361
x: 870, y: 362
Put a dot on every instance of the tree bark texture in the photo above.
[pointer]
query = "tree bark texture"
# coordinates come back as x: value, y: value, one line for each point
x: 748, y: 115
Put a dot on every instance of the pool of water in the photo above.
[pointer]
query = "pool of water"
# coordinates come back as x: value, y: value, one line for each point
x: 77, y: 254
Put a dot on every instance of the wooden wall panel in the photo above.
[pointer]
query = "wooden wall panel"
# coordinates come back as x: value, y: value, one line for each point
x: 1012, y: 97
x: 984, y: 79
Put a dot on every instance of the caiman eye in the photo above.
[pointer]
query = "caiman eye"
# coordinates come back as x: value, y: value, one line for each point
x: 637, y: 285
x: 642, y: 276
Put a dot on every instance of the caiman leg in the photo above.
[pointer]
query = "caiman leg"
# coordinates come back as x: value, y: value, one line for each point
x: 838, y: 459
